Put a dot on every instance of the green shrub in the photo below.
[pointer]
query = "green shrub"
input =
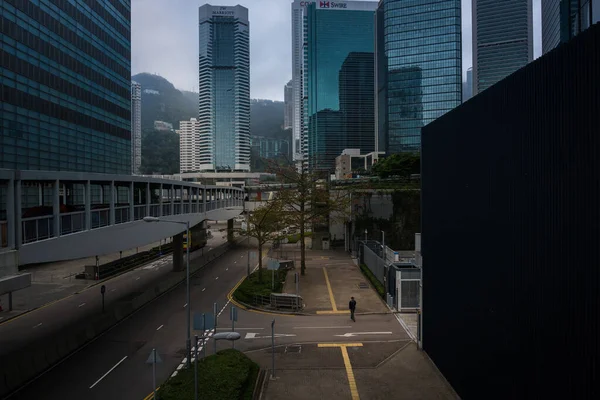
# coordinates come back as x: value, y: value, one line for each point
x: 296, y: 237
x: 227, y: 375
x: 376, y: 284
x: 251, y: 287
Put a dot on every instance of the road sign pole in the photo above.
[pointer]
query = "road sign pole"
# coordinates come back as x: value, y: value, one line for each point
x: 196, y: 368
x: 297, y: 287
x: 215, y: 314
x: 248, y: 262
x: 154, y: 372
x: 273, y: 348
x: 102, y: 291
x: 272, y: 279
x: 204, y: 334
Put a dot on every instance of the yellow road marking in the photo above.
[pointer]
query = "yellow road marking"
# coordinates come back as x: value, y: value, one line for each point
x: 151, y: 395
x: 351, y: 381
x: 334, y: 312
x: 331, y: 298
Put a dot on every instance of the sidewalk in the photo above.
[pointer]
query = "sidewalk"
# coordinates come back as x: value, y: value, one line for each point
x: 330, y: 281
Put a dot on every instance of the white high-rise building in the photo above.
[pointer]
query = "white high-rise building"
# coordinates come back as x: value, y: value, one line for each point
x: 224, y: 82
x: 288, y: 99
x: 189, y: 146
x: 136, y: 127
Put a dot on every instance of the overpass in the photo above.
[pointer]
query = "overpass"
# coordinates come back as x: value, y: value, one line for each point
x: 48, y: 216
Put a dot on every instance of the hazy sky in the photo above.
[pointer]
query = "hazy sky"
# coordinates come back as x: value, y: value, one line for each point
x: 164, y: 36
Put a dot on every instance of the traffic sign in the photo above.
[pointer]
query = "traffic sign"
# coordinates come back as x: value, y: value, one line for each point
x: 153, y: 358
x: 204, y: 322
x: 102, y: 289
x: 272, y: 264
x: 233, y: 315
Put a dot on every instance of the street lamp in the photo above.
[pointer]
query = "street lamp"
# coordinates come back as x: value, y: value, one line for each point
x: 188, y: 342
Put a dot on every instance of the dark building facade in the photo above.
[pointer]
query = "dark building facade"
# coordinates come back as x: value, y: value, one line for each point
x: 65, y: 85
x: 513, y: 174
x: 357, y: 102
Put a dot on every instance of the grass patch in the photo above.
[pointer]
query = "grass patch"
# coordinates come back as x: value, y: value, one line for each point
x: 296, y: 237
x: 251, y: 287
x: 227, y: 375
x: 376, y: 284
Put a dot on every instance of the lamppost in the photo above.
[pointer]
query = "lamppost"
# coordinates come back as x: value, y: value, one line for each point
x: 188, y: 342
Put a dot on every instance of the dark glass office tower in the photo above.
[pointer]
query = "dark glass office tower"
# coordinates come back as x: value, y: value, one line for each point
x: 338, y: 35
x: 418, y: 68
x: 563, y: 19
x: 65, y: 81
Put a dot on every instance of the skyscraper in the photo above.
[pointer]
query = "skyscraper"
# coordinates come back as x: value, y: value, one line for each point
x: 224, y: 98
x: 136, y: 127
x: 418, y: 68
x: 66, y: 86
x: 189, y: 146
x: 337, y: 36
x: 563, y: 19
x: 288, y: 105
x: 502, y: 40
x: 468, y: 92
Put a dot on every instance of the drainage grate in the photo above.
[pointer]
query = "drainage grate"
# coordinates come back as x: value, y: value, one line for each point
x: 293, y: 349
x: 363, y: 285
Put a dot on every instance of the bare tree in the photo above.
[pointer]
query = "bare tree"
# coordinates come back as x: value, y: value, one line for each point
x: 307, y: 201
x: 264, y: 225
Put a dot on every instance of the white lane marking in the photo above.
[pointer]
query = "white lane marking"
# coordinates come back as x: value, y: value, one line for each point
x: 216, y: 278
x: 226, y: 269
x: 109, y: 371
x: 322, y: 327
x: 38, y: 325
x: 137, y: 279
x: 253, y: 335
x: 112, y: 290
x: 235, y: 262
x: 81, y: 305
x: 185, y: 305
x: 159, y: 327
x: 352, y: 334
x: 1, y: 318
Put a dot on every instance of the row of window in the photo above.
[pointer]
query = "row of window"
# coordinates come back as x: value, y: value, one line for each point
x: 97, y: 74
x: 40, y: 76
x: 21, y: 99
x: 46, y: 22
x: 399, y: 33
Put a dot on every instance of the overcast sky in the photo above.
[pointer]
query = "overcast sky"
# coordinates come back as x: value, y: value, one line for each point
x: 164, y: 36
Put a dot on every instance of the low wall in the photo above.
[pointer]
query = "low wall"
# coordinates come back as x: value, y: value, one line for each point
x: 24, y: 364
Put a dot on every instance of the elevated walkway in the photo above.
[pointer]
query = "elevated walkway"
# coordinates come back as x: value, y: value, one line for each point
x: 53, y: 216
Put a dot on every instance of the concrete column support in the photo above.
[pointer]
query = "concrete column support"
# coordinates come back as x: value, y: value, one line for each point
x: 190, y: 192
x: 148, y: 200
x: 172, y: 199
x: 56, y: 208
x: 112, y: 194
x: 131, y: 202
x: 10, y: 214
x: 160, y: 201
x: 181, y: 199
x: 18, y: 214
x: 178, y: 252
x: 204, y: 199
x: 198, y: 193
x: 88, y: 205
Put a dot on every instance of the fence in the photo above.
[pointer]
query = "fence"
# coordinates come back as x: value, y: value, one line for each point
x: 372, y: 260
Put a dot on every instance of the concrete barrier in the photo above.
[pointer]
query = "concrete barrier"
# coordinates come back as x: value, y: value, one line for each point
x: 18, y: 367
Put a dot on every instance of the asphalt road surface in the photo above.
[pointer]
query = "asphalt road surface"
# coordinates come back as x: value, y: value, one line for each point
x: 114, y: 366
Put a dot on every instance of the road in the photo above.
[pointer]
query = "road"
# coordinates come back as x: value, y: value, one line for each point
x: 160, y: 325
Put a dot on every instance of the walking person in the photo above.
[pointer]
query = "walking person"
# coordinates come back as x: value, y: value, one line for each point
x: 352, y: 306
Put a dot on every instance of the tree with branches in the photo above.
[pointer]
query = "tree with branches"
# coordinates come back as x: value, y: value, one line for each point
x: 264, y: 225
x: 307, y: 201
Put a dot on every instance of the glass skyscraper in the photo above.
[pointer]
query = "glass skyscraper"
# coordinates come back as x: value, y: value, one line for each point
x: 224, y: 98
x: 502, y: 40
x: 136, y: 127
x: 418, y: 68
x: 65, y: 76
x: 563, y: 19
x: 339, y: 70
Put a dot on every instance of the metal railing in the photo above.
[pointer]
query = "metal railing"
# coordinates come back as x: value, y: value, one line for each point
x: 139, y: 212
x: 155, y: 210
x: 121, y: 214
x: 37, y: 228
x: 72, y: 222
x: 100, y: 218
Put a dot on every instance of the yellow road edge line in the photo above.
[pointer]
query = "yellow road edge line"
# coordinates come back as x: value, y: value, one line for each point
x: 151, y: 395
x: 331, y: 298
x: 334, y: 312
x: 350, y: 373
x: 340, y: 345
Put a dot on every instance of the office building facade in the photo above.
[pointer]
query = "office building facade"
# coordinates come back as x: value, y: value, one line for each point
x: 224, y: 98
x: 339, y: 39
x: 298, y: 76
x: 418, y: 67
x: 66, y: 86
x: 136, y: 127
x: 288, y: 99
x: 563, y: 19
x: 271, y: 148
x: 502, y: 40
x: 468, y: 92
x: 189, y: 145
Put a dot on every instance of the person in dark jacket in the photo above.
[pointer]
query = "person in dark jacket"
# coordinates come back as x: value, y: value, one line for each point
x: 352, y: 306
